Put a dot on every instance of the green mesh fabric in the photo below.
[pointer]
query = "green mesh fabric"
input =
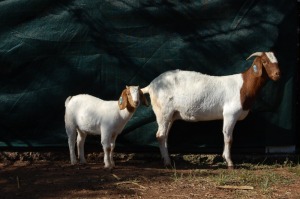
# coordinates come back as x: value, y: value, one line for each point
x: 52, y: 49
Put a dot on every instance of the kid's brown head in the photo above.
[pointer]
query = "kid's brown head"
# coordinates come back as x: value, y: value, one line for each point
x: 131, y: 97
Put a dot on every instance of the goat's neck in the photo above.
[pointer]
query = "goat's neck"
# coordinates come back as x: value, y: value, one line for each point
x: 130, y: 108
x: 127, y: 112
x: 251, y: 87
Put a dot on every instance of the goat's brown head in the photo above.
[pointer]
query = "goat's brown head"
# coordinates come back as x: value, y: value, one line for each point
x: 267, y: 61
x: 131, y: 97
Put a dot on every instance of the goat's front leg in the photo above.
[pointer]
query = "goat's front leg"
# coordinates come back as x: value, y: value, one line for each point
x: 228, y: 126
x: 105, y: 141
x: 112, y: 145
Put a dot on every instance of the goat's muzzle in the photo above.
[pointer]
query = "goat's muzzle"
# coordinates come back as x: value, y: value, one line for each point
x: 276, y: 76
x: 135, y: 104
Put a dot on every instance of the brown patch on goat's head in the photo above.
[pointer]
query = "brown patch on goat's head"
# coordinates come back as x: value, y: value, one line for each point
x: 265, y: 61
x: 257, y: 68
x: 264, y: 65
x: 129, y: 98
x: 123, y: 100
x: 270, y: 63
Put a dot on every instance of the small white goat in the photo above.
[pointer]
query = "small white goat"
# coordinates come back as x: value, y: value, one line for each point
x: 192, y: 96
x: 87, y: 114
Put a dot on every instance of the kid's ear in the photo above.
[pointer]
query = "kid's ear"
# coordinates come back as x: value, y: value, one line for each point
x: 257, y: 67
x: 143, y: 98
x: 123, y: 100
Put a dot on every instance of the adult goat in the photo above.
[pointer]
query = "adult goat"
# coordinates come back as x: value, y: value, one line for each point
x: 193, y: 96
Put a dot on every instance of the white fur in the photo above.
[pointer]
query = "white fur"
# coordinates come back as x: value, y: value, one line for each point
x: 192, y: 96
x: 271, y: 57
x: 86, y: 114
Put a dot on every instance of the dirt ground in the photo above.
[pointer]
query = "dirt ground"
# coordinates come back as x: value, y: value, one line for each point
x: 50, y: 175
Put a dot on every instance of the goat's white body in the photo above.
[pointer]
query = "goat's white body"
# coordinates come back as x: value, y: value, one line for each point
x: 91, y: 114
x: 86, y: 114
x: 192, y: 96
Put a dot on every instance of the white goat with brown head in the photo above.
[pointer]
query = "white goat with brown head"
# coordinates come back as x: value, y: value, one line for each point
x: 86, y: 114
x: 192, y: 96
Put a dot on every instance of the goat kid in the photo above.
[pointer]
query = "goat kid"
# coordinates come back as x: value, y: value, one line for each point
x: 86, y: 114
x: 192, y: 96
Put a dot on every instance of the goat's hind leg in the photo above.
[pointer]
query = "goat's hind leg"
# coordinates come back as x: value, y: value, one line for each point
x: 164, y: 121
x: 71, y: 132
x: 162, y: 138
x: 80, y: 146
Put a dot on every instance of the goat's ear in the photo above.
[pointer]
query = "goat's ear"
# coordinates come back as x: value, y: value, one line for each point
x: 123, y: 100
x: 143, y: 98
x: 257, y: 67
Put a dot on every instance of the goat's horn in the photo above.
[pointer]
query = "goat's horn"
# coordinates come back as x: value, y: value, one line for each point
x: 255, y: 54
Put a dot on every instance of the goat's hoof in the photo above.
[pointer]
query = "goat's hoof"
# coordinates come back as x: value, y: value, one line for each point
x: 109, y: 168
x: 231, y: 167
x: 168, y: 165
x: 74, y: 163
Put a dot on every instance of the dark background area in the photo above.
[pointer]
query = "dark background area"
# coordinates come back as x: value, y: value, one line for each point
x: 50, y: 50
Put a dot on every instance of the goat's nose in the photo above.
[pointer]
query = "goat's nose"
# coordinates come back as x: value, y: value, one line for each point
x: 277, y: 75
x: 136, y: 103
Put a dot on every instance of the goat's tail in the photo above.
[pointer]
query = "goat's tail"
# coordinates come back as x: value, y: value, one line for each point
x: 145, y: 90
x: 67, y: 100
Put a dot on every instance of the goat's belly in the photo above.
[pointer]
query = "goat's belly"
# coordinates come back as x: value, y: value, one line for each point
x: 88, y: 124
x: 198, y: 117
x: 90, y: 129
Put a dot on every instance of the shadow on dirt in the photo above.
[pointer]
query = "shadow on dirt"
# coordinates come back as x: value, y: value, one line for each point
x: 38, y: 175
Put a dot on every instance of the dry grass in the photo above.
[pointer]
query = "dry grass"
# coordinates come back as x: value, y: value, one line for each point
x: 143, y: 176
x: 261, y: 178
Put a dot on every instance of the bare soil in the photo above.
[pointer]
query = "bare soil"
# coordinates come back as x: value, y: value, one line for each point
x: 50, y: 175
